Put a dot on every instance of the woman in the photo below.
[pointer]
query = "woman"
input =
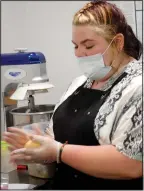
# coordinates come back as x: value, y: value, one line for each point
x: 100, y: 115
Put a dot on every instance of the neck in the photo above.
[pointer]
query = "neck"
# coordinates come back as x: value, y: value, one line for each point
x: 117, y: 66
x: 121, y: 63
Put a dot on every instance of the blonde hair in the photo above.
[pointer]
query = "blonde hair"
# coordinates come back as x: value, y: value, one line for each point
x: 98, y: 16
x: 108, y: 20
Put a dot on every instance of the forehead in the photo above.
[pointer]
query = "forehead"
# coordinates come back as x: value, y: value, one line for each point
x: 81, y: 33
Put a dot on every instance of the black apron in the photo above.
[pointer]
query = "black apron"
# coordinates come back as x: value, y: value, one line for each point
x: 73, y: 121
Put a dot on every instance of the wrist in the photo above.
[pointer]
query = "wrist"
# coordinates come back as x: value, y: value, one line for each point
x: 59, y: 145
x: 59, y: 151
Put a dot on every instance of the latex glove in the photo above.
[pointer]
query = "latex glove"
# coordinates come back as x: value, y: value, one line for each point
x: 17, y: 137
x: 46, y: 153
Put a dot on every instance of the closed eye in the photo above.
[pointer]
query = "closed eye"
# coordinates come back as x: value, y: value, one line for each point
x: 89, y: 47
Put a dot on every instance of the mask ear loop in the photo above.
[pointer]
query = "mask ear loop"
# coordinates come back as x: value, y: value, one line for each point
x: 119, y: 51
x: 108, y: 46
x: 112, y: 64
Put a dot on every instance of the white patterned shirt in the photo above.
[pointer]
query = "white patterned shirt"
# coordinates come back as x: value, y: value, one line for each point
x: 119, y: 120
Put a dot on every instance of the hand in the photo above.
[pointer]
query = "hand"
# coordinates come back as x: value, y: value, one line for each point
x: 47, y: 152
x: 17, y: 138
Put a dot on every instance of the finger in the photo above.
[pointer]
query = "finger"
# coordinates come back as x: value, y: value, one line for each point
x: 11, y: 148
x: 24, y: 151
x: 15, y: 136
x: 28, y: 159
x: 17, y: 157
x: 25, y: 160
x: 27, y: 155
x: 19, y: 131
x: 12, y: 142
x: 22, y: 155
x: 18, y: 151
x: 31, y: 152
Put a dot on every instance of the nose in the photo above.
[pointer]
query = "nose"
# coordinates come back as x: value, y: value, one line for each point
x: 80, y: 52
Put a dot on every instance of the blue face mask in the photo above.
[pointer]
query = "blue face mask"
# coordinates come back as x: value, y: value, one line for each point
x: 93, y: 66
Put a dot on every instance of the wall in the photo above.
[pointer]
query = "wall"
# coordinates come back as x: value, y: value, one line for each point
x: 138, y: 12
x: 46, y: 26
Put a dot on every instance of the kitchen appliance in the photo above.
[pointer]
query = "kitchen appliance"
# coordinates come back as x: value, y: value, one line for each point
x: 22, y: 116
x: 40, y: 114
x: 25, y: 74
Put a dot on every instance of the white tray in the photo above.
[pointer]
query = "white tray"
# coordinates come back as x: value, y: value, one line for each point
x: 21, y: 186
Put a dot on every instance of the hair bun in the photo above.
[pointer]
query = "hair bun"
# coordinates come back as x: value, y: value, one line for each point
x: 98, y: 1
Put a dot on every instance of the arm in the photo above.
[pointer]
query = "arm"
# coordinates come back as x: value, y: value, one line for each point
x: 101, y: 161
x: 122, y: 159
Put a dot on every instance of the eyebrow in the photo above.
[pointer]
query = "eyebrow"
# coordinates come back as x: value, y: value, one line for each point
x: 84, y: 41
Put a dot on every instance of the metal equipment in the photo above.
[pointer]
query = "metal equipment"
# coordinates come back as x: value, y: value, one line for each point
x: 23, y: 74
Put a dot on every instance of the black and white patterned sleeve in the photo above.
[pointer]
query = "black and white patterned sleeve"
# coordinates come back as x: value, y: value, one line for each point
x: 128, y: 135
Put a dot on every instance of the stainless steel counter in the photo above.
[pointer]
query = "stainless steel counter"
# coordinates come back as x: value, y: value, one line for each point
x: 22, y: 177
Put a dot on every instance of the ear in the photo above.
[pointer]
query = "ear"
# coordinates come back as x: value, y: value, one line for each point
x: 119, y: 40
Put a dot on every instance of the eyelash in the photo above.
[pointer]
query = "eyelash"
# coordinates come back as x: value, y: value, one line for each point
x: 86, y: 47
x: 89, y: 47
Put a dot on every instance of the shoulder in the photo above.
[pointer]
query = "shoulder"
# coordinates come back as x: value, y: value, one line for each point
x: 134, y: 73
x: 77, y: 82
x: 122, y: 97
x: 126, y: 132
x: 131, y: 84
x: 133, y: 80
